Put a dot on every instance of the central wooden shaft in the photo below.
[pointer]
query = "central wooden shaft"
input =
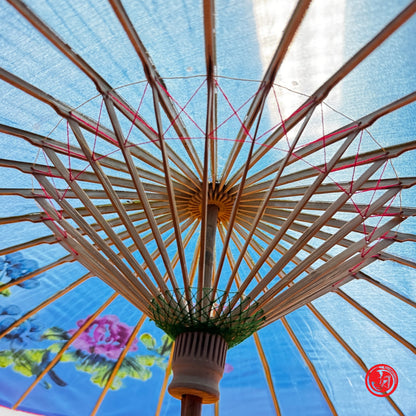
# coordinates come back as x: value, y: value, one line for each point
x: 212, y: 218
x: 191, y: 405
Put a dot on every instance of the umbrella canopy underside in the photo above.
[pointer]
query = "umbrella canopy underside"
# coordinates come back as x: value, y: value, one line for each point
x: 243, y: 165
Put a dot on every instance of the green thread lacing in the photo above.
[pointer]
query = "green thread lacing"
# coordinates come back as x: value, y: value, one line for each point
x: 200, y: 315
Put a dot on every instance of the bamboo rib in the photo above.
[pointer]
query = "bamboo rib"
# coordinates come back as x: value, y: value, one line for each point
x: 100, y: 266
x: 45, y: 303
x: 364, y: 276
x: 376, y: 321
x: 308, y: 194
x: 354, y: 248
x: 278, y: 217
x: 186, y: 240
x: 211, y: 67
x: 206, y: 257
x: 94, y: 262
x: 347, y: 163
x: 322, y: 92
x: 326, y: 277
x: 58, y: 356
x: 342, y: 132
x: 105, y: 160
x: 232, y: 219
x: 37, y: 272
x: 279, y: 249
x: 142, y: 196
x: 117, y: 365
x: 298, y: 228
x: 261, y: 209
x: 165, y: 383
x: 49, y: 239
x: 338, y: 278
x: 310, y: 365
x: 397, y: 259
x: 29, y: 217
x: 266, y: 85
x: 259, y: 347
x: 267, y: 373
x: 102, y: 86
x: 332, y: 188
x: 85, y: 122
x: 80, y: 221
x: 322, y: 206
x: 155, y: 82
x: 315, y: 227
x: 350, y: 351
x: 171, y: 196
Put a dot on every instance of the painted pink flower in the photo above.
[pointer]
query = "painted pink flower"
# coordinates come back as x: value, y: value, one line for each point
x: 228, y: 368
x: 105, y: 335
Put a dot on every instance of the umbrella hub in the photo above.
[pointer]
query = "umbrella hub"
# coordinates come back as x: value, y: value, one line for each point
x: 216, y: 196
x: 198, y: 366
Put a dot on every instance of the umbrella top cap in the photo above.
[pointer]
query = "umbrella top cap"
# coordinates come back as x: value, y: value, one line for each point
x: 217, y: 196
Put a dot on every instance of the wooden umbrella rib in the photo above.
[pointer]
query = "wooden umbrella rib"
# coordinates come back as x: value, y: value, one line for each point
x: 94, y: 261
x: 267, y: 373
x: 81, y: 176
x: 279, y: 216
x: 266, y: 84
x: 82, y: 196
x: 279, y: 249
x: 206, y: 251
x: 171, y: 196
x: 389, y: 238
x: 142, y: 196
x: 263, y: 203
x: 397, y: 259
x: 37, y: 272
x: 44, y: 304
x: 322, y: 284
x: 333, y: 137
x: 323, y: 206
x: 91, y: 125
x: 155, y: 82
x: 322, y: 92
x: 33, y: 217
x: 102, y: 86
x: 117, y: 365
x: 353, y: 248
x: 59, y: 355
x: 310, y: 365
x: 231, y: 222
x: 328, y: 274
x: 49, y: 239
x: 306, y: 196
x: 166, y: 377
x: 349, y: 350
x: 122, y: 270
x: 186, y: 240
x: 332, y: 188
x: 376, y: 321
x: 364, y: 276
x: 76, y: 153
x: 325, y: 284
x: 358, y: 160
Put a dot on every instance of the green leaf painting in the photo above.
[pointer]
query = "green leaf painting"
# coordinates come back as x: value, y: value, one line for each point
x: 94, y: 351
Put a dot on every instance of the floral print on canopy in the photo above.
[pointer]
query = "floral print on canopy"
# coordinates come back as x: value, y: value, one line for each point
x: 106, y: 335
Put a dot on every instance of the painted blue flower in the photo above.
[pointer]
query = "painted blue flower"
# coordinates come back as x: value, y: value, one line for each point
x: 30, y: 329
x: 15, y: 265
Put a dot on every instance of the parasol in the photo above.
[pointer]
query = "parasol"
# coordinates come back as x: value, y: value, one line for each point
x: 234, y: 179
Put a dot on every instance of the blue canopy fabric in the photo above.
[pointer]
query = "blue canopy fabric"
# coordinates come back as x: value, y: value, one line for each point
x: 76, y: 341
